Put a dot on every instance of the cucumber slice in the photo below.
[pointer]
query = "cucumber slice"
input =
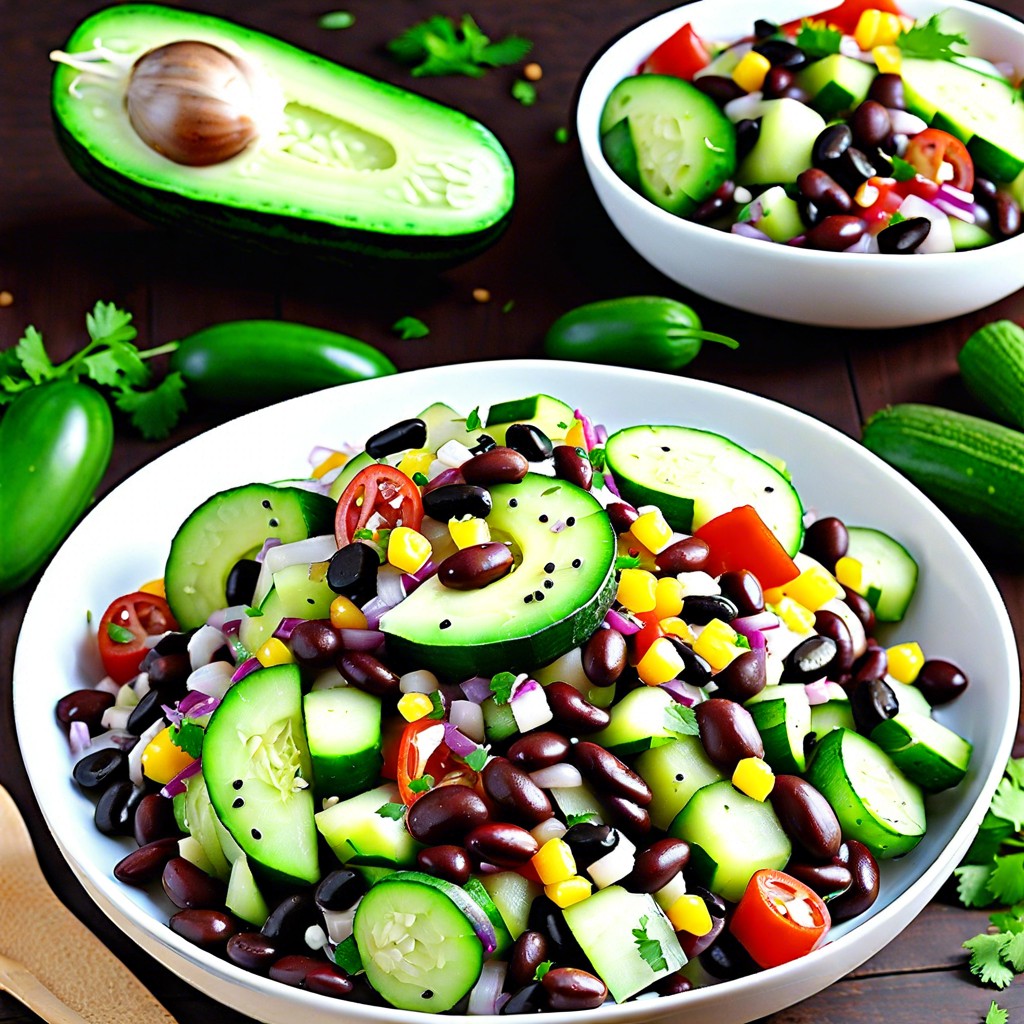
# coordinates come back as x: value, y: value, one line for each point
x: 694, y: 475
x: 293, y: 595
x: 909, y: 697
x: 782, y: 715
x: 244, y: 898
x: 257, y: 770
x: 419, y: 948
x: 637, y: 722
x: 685, y: 146
x: 835, y: 713
x: 611, y: 927
x: 444, y: 424
x: 230, y: 526
x: 968, y: 236
x: 574, y: 801
x: 889, y: 574
x: 731, y: 836
x: 348, y: 473
x: 205, y: 827
x: 837, y: 83
x: 874, y: 801
x: 343, y: 731
x: 499, y: 722
x: 675, y: 772
x: 928, y: 753
x: 512, y: 895
x: 549, y: 414
x: 355, y: 831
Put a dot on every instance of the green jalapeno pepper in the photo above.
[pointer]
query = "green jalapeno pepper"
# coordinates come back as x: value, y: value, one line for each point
x: 55, y: 445
x: 255, y: 362
x: 643, y: 331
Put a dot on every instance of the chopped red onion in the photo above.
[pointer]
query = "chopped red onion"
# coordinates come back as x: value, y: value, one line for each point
x: 619, y: 622
x: 759, y: 620
x: 483, y: 997
x: 684, y: 693
x: 953, y: 209
x: 191, y: 700
x: 609, y: 482
x: 458, y: 742
x: 270, y: 542
x: 286, y: 626
x: 374, y: 610
x: 213, y: 679
x: 743, y: 107
x: 360, y: 639
x: 177, y: 784
x: 589, y: 434
x: 247, y: 666
x: 558, y: 776
x: 749, y: 231
x: 204, y: 707
x: 817, y: 692
x: 477, y: 689
x: 78, y: 737
x: 172, y: 714
x: 754, y: 637
x: 232, y: 628
x: 445, y: 477
x: 601, y: 432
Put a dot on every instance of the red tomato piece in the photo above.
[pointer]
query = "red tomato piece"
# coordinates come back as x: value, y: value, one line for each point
x: 421, y: 751
x: 739, y: 539
x: 646, y: 635
x: 888, y: 202
x: 779, y: 918
x: 682, y: 55
x: 382, y: 490
x: 847, y: 14
x: 930, y: 149
x: 123, y: 631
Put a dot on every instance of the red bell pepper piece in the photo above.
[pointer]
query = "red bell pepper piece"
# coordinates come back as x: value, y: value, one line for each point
x: 682, y: 55
x: 847, y: 14
x: 779, y: 918
x: 739, y: 539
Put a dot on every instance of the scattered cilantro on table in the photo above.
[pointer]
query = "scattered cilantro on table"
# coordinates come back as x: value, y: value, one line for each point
x: 996, y: 1014
x: 336, y: 20
x: 525, y: 92
x: 438, y: 46
x: 409, y: 327
x: 108, y: 359
x: 927, y: 40
x: 992, y: 875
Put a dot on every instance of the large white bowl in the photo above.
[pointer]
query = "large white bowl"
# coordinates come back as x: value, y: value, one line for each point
x: 832, y: 289
x: 957, y: 614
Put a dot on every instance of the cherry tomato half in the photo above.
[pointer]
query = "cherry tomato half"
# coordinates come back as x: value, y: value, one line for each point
x: 123, y: 630
x: 421, y: 751
x: 382, y: 490
x: 930, y: 149
x: 681, y: 55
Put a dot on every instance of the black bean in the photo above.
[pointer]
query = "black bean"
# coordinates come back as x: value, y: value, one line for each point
x: 695, y: 669
x: 828, y: 623
x: 748, y: 131
x: 115, y: 809
x: 339, y: 890
x: 146, y: 864
x: 743, y: 588
x: 546, y: 917
x: 720, y: 88
x: 826, y: 541
x: 288, y: 922
x: 531, y: 998
x: 824, y: 191
x: 887, y: 89
x: 830, y: 144
x: 905, y: 237
x: 811, y: 659
x: 154, y: 819
x: 147, y: 712
x: 726, y: 959
x: 852, y: 169
x: 352, y: 571
x: 940, y: 681
x: 531, y: 442
x: 241, y: 582
x: 872, y: 702
x: 700, y: 609
x: 399, y: 437
x: 484, y: 443
x: 99, y: 768
x: 871, y: 124
x: 168, y: 672
x: 590, y: 842
x: 777, y: 83
x: 781, y: 53
x: 456, y: 501
x: 694, y: 945
x: 85, y: 706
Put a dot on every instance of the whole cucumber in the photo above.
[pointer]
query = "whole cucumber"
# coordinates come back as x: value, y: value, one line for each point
x: 644, y: 331
x: 256, y: 362
x: 971, y: 467
x: 992, y: 367
x: 55, y: 445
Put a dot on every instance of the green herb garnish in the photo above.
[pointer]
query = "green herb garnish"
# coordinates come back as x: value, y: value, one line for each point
x: 420, y: 479
x: 996, y: 1014
x: 650, y: 949
x: 438, y: 46
x: 391, y: 810
x: 561, y: 135
x: 542, y: 969
x: 818, y: 39
x: 473, y: 421
x: 525, y: 92
x: 120, y: 634
x: 422, y: 784
x: 253, y: 613
x: 902, y: 170
x: 501, y: 686
x: 477, y: 759
x: 437, y: 706
x: 579, y: 819
x: 346, y: 956
x: 598, y: 459
x: 336, y: 19
x: 927, y: 40
x: 627, y: 562
x: 409, y: 327
x: 681, y: 720
x: 188, y: 737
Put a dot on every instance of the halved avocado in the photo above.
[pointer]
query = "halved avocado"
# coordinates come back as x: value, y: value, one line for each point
x: 346, y: 167
x: 557, y: 594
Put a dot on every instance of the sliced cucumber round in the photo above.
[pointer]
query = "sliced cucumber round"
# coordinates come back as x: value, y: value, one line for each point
x: 875, y: 802
x: 933, y: 756
x: 694, y: 475
x: 889, y: 573
x: 419, y: 947
x: 674, y: 773
x: 782, y: 715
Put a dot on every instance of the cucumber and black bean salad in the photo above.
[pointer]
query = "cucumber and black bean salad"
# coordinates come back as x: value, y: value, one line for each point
x: 854, y: 130
x: 503, y: 714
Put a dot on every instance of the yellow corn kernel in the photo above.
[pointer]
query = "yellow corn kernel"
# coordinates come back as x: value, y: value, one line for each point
x: 652, y: 531
x: 414, y: 706
x: 690, y: 914
x: 468, y: 531
x: 408, y: 550
x: 750, y: 73
x: 417, y: 461
x: 162, y: 760
x: 554, y: 862
x: 850, y: 573
x: 889, y: 27
x: 274, y: 652
x: 795, y: 615
x: 678, y: 628
x: 717, y: 645
x: 660, y: 663
x: 905, y: 661
x: 345, y: 614
x: 773, y: 595
x: 754, y: 777
x: 574, y: 436
x: 877, y: 28
x: 637, y: 590
x: 668, y: 598
x: 813, y: 587
x: 566, y: 893
x: 333, y: 461
x: 888, y: 59
x: 155, y: 587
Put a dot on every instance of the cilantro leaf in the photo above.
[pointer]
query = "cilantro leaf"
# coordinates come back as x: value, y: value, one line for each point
x: 501, y: 686
x: 927, y: 40
x: 437, y: 47
x: 902, y: 170
x: 627, y: 562
x: 32, y: 355
x: 335, y: 20
x: 542, y: 969
x: 525, y: 92
x: 120, y: 634
x: 579, y: 819
x: 1006, y: 883
x: 972, y: 884
x: 154, y: 412
x: 996, y: 1014
x: 473, y: 421
x: 437, y: 706
x: 505, y: 51
x: 346, y: 956
x: 1011, y: 920
x: 409, y: 327
x: 422, y: 784
x: 681, y: 720
x: 391, y: 810
x: 117, y: 365
x: 1008, y: 803
x: 253, y: 613
x: 561, y: 135
x: 598, y: 459
x: 650, y: 949
x: 986, y: 961
x: 108, y: 324
x: 188, y: 737
x: 1012, y: 950
x: 477, y: 759
x: 363, y: 533
x: 818, y: 39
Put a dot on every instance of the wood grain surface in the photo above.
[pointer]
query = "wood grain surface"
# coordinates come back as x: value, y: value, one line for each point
x: 62, y: 247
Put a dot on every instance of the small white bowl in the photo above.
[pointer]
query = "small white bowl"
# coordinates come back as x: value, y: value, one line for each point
x: 831, y: 289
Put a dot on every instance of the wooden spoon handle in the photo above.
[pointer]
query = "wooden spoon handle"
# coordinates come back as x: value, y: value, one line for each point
x: 27, y: 989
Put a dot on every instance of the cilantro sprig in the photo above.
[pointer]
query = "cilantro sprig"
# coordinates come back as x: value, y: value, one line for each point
x: 110, y: 360
x: 992, y: 875
x: 926, y: 39
x: 188, y: 737
x: 438, y: 46
x: 818, y: 39
x: 649, y: 949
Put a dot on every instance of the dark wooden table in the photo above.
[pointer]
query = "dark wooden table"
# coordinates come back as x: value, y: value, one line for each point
x: 62, y: 247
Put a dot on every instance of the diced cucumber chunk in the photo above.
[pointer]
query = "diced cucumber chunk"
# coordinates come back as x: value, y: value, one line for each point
x: 578, y: 800
x: 837, y: 83
x: 512, y: 895
x: 782, y: 715
x: 833, y: 714
x: 783, y: 146
x: 244, y: 898
x: 343, y: 731
x: 294, y: 595
x: 481, y: 895
x: 355, y: 831
x: 675, y: 772
x: 909, y: 697
x: 348, y: 473
x: 928, y: 753
x: 548, y: 414
x: 637, y: 722
x: 889, y: 573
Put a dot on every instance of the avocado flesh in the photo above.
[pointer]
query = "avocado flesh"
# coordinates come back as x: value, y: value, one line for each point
x: 353, y: 161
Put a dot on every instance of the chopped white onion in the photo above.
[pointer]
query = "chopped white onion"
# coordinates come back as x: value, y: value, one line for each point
x: 307, y: 551
x: 204, y: 643
x: 530, y: 708
x: 669, y: 893
x: 315, y: 937
x: 453, y: 454
x: 135, y: 754
x: 140, y: 685
x: 744, y: 108
x: 115, y: 717
x: 614, y: 865
x: 551, y: 828
x: 389, y: 585
x: 940, y: 237
x: 420, y: 681
x: 468, y: 718
x: 698, y: 584
x: 107, y: 685
x: 339, y: 922
x: 557, y: 776
x: 213, y: 679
